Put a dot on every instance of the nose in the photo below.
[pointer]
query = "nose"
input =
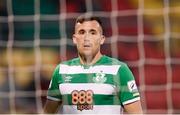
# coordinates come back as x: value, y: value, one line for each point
x: 86, y: 37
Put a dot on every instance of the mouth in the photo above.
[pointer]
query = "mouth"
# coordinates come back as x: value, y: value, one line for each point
x: 87, y: 46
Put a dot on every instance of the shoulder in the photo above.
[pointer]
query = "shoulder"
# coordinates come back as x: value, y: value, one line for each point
x: 74, y: 61
x: 114, y: 61
x: 122, y: 66
x: 71, y: 62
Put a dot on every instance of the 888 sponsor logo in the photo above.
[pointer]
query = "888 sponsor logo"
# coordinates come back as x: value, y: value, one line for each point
x: 83, y: 99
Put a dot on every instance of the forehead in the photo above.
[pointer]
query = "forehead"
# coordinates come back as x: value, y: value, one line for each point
x: 87, y: 25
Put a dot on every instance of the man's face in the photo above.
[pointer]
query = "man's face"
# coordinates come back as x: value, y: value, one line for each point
x: 88, y: 38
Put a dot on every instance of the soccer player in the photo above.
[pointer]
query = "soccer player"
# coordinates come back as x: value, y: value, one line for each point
x: 92, y: 83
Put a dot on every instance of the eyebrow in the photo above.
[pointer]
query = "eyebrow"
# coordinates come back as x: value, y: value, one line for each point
x: 92, y: 30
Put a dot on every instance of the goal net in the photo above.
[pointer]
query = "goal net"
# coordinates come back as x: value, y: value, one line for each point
x: 36, y: 35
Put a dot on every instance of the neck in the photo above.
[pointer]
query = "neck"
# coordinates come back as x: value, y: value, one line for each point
x: 89, y: 60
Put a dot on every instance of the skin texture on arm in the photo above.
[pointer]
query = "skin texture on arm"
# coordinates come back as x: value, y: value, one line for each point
x: 133, y: 108
x: 51, y: 106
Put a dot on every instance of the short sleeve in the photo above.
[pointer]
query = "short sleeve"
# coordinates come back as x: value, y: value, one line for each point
x: 128, y: 90
x: 53, y: 90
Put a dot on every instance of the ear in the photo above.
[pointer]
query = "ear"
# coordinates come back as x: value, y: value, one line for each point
x: 74, y: 39
x: 102, y: 39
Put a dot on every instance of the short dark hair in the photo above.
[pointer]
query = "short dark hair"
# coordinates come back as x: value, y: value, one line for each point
x: 83, y: 18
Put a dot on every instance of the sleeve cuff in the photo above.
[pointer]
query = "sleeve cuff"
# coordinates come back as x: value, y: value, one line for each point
x: 131, y: 100
x: 53, y: 98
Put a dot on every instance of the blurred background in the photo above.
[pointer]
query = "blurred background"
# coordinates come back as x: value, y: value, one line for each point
x: 35, y: 35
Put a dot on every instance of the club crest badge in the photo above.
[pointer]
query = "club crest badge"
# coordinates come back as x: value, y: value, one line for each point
x: 99, y: 77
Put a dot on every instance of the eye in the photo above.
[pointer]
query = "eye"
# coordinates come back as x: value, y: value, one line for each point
x: 93, y: 32
x: 81, y: 32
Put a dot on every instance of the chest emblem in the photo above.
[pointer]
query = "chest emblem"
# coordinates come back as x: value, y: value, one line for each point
x: 99, y: 77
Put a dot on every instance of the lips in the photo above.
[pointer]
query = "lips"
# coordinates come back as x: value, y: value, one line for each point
x: 87, y: 45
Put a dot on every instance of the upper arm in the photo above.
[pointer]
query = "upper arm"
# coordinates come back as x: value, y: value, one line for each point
x: 51, y: 106
x: 53, y: 92
x: 129, y: 94
x: 128, y: 90
x: 134, y: 108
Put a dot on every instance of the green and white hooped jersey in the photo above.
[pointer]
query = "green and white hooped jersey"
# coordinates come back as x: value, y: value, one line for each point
x: 102, y: 88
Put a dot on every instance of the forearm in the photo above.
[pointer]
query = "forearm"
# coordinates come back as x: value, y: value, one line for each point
x: 134, y: 108
x: 51, y: 106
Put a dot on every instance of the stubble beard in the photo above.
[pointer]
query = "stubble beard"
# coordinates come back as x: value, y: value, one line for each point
x: 87, y: 57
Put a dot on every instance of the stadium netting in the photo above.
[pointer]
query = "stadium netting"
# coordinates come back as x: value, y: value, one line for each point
x: 35, y: 35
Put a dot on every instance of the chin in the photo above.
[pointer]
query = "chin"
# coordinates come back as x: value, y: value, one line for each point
x: 87, y: 53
